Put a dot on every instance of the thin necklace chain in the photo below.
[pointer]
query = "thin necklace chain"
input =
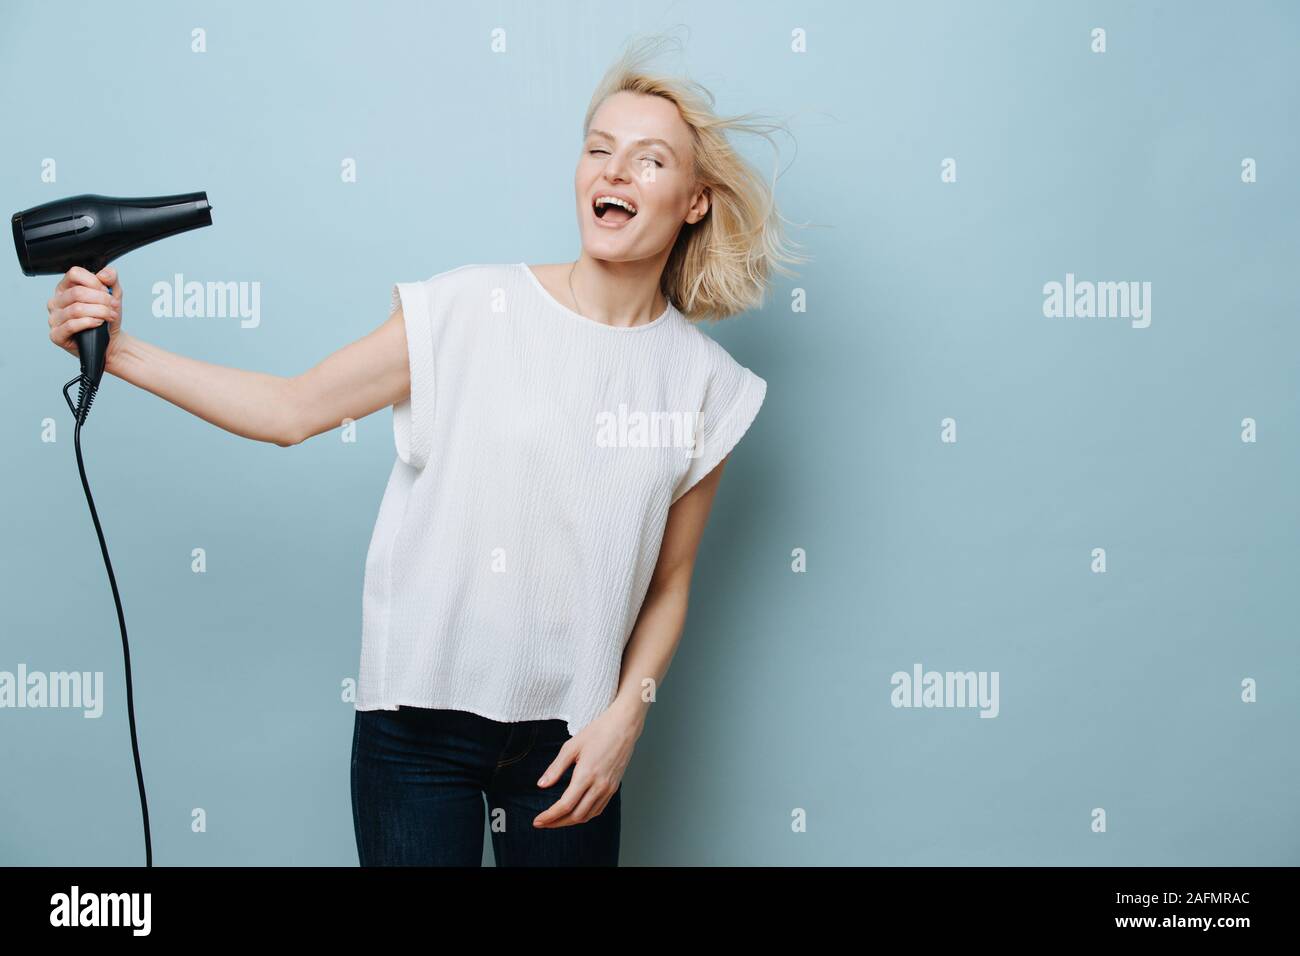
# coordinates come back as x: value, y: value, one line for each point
x: 577, y: 307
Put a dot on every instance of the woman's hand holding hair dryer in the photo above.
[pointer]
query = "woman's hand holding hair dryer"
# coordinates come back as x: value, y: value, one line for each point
x: 360, y: 378
x: 82, y: 301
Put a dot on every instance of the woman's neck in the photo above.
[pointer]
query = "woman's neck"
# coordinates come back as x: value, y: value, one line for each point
x: 622, y: 294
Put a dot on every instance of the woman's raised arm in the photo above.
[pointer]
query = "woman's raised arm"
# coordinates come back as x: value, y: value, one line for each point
x: 362, y: 377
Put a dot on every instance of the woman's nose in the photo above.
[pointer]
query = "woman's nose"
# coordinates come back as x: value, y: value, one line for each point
x: 615, y: 170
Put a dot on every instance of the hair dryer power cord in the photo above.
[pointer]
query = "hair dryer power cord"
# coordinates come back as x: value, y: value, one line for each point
x: 85, y: 397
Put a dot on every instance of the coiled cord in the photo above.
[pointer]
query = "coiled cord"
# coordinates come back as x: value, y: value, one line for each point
x: 86, y: 395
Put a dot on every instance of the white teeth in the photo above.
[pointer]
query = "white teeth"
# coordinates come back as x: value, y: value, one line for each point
x: 614, y: 200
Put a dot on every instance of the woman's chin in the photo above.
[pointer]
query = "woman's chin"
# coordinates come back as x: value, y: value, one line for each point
x: 609, y: 248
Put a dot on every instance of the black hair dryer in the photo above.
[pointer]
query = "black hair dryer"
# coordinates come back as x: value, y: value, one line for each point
x: 91, y: 231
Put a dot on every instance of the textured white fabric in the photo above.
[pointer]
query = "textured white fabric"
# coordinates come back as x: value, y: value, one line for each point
x: 523, y: 516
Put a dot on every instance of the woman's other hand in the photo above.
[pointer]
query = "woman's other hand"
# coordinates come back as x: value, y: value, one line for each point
x: 600, y: 753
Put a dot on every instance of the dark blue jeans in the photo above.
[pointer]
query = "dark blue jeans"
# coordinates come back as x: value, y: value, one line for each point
x: 419, y: 782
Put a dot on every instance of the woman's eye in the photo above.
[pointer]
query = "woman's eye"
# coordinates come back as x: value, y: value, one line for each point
x: 593, y: 151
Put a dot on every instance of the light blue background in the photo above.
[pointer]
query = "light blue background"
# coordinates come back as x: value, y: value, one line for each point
x: 1119, y: 690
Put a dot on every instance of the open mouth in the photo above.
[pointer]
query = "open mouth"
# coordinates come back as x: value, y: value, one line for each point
x: 613, y: 211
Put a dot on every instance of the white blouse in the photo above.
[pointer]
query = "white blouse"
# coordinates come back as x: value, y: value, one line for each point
x: 537, y: 457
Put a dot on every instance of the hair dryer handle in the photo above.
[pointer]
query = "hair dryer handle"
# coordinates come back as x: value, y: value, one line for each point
x: 92, y: 346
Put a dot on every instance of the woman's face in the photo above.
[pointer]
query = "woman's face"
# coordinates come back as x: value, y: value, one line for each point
x: 639, y: 150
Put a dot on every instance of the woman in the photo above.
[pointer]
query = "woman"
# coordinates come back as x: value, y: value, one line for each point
x: 560, y: 431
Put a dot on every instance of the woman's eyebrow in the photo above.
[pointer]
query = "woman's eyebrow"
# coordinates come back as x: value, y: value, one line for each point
x: 645, y: 141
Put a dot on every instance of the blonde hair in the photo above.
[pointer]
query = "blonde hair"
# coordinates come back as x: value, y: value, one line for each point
x: 721, y: 265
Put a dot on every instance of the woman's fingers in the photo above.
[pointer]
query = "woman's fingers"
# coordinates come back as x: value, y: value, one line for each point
x: 578, y: 805
x: 81, y: 293
x: 587, y: 808
x: 81, y: 310
x: 569, y: 751
x: 108, y: 276
x: 561, y: 808
x: 80, y: 286
x: 61, y: 335
x: 79, y: 276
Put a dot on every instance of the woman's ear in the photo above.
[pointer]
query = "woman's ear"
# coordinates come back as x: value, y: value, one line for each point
x: 699, y: 206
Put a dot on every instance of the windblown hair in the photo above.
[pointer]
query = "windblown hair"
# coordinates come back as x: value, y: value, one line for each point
x: 721, y: 265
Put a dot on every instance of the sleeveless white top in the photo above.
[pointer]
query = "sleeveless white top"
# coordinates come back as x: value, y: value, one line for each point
x: 537, y: 457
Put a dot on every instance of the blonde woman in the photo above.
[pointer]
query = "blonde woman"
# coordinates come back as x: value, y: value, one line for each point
x: 560, y: 432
